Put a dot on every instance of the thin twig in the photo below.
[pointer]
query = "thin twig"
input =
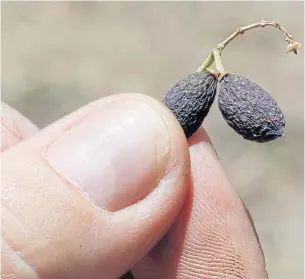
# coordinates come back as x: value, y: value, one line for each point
x: 207, y: 63
x: 218, y: 62
x: 292, y: 46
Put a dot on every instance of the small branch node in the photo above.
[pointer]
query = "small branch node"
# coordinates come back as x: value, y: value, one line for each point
x: 220, y: 46
x: 240, y: 30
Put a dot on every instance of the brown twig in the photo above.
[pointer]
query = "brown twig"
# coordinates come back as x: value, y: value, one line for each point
x: 292, y: 46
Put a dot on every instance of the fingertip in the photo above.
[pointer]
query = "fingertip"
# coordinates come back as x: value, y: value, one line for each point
x: 15, y: 127
x: 200, y: 136
x: 17, y: 122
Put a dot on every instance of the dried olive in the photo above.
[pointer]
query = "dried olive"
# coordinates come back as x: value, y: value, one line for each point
x: 191, y: 98
x: 249, y: 109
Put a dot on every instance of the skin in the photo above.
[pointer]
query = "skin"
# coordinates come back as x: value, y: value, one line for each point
x: 174, y: 215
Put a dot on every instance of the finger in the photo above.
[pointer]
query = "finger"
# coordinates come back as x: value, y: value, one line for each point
x: 99, y: 189
x: 213, y: 236
x: 14, y: 127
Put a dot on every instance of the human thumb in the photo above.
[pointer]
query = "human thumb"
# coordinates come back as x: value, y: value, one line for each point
x: 92, y: 193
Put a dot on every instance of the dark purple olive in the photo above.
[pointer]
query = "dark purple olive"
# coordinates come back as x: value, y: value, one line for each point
x: 190, y: 100
x: 249, y: 109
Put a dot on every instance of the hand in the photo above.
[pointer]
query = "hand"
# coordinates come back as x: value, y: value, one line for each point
x: 114, y: 186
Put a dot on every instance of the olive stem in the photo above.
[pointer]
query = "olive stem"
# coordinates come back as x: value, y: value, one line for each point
x: 207, y: 63
x: 218, y: 61
x: 291, y: 47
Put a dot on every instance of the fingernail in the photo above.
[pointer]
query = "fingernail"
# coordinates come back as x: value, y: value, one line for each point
x: 115, y: 155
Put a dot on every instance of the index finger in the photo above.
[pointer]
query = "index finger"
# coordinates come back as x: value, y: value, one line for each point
x: 213, y: 236
x: 14, y: 127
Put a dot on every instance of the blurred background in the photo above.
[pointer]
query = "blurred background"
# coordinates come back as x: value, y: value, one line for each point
x: 58, y: 56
